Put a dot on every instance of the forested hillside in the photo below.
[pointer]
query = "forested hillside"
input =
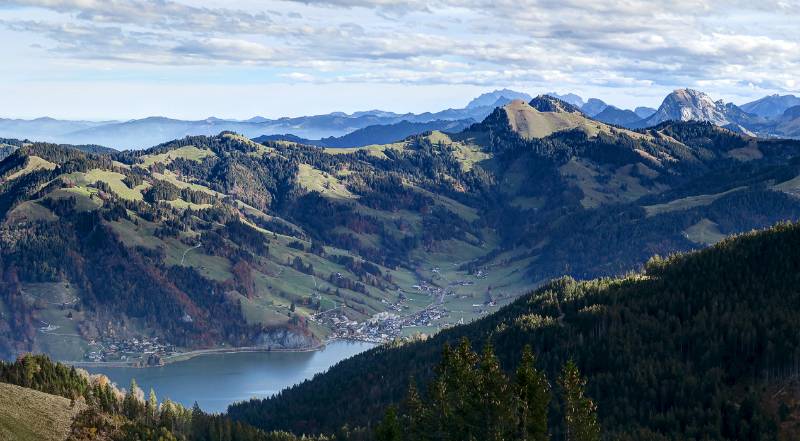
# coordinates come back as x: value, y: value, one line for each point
x: 206, y: 241
x: 696, y: 346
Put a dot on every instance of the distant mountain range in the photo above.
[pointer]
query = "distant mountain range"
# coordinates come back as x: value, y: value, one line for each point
x: 771, y: 107
x: 767, y: 117
x: 141, y: 133
x: 377, y: 134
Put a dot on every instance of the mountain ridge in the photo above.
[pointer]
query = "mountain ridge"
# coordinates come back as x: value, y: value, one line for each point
x: 284, y: 245
x: 771, y: 106
x: 693, y: 105
x: 140, y: 133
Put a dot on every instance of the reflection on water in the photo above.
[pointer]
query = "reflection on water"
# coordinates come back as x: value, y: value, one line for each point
x: 216, y: 380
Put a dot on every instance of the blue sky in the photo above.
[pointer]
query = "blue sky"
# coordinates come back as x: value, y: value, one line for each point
x: 119, y: 59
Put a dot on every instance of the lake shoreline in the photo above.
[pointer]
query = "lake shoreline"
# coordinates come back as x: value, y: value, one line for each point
x: 226, y: 376
x: 183, y: 356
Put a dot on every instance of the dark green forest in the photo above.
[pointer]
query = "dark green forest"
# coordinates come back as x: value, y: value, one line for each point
x: 696, y: 346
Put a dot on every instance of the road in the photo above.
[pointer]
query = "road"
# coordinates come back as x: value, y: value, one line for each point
x: 190, y: 249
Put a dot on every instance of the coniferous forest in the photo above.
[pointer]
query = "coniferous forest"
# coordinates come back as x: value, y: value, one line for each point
x: 696, y: 346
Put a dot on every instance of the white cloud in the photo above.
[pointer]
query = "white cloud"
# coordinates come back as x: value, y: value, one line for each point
x: 614, y: 45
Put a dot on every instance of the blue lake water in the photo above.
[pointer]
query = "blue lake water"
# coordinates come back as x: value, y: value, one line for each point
x: 217, y: 380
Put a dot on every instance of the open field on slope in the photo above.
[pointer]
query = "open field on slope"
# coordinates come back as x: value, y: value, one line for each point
x: 601, y: 186
x: 373, y: 150
x: 687, y: 202
x: 182, y: 205
x: 85, y: 198
x: 530, y: 123
x: 704, y: 232
x: 29, y: 415
x: 173, y: 179
x: 114, y: 180
x: 30, y: 211
x: 316, y: 180
x: 57, y: 333
x: 34, y: 163
x: 792, y: 186
x: 190, y: 152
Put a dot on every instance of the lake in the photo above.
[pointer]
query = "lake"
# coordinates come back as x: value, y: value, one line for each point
x: 217, y: 380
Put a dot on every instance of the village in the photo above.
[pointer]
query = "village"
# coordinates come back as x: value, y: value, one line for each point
x: 148, y: 351
x: 382, y: 327
x: 388, y: 326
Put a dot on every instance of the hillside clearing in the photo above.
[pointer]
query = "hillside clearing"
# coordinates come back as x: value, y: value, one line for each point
x: 189, y: 152
x: 687, y: 202
x: 704, y: 232
x: 29, y: 415
x: 34, y: 163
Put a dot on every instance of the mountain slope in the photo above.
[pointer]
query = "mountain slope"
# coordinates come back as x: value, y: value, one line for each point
x: 378, y: 134
x: 497, y: 98
x: 617, y: 116
x: 44, y: 128
x: 206, y: 241
x: 569, y: 98
x: 698, y: 346
x: 29, y: 415
x: 530, y: 122
x: 693, y: 105
x: 788, y: 124
x: 644, y: 112
x: 593, y: 106
x: 771, y: 106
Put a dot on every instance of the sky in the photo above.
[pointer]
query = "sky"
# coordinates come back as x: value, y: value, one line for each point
x: 190, y: 59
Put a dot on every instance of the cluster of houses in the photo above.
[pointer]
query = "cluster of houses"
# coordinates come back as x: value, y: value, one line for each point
x: 113, y: 349
x: 383, y: 326
x: 387, y: 326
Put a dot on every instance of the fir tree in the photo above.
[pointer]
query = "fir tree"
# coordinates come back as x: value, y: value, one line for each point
x: 389, y: 429
x: 413, y: 413
x: 151, y: 408
x: 580, y: 412
x: 131, y: 406
x: 534, y: 395
x: 496, y: 421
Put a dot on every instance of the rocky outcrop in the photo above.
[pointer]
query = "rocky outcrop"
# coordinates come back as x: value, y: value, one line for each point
x: 693, y: 105
x: 283, y: 338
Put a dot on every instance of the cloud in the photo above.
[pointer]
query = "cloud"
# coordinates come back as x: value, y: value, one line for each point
x: 614, y: 44
x: 163, y: 14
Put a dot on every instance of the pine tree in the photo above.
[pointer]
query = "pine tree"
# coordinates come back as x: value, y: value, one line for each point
x: 151, y: 408
x: 199, y: 424
x: 413, y: 417
x: 455, y: 395
x: 497, y: 419
x: 580, y: 412
x: 389, y: 429
x: 131, y: 406
x: 533, y: 392
x: 436, y: 419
